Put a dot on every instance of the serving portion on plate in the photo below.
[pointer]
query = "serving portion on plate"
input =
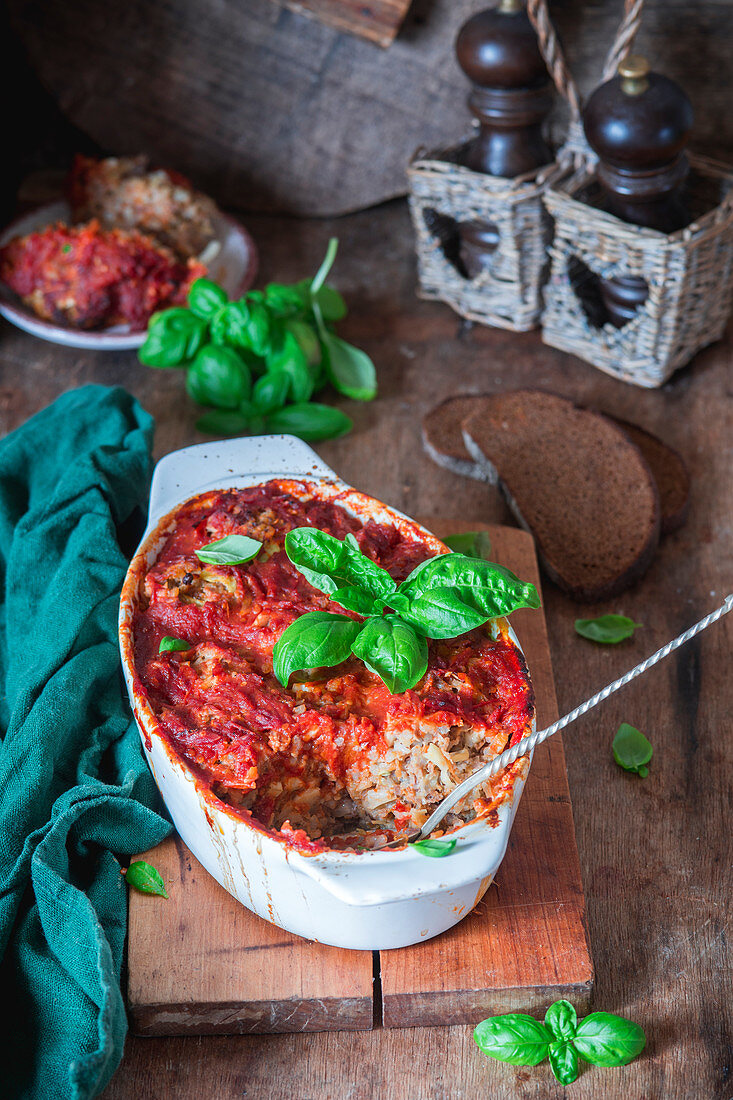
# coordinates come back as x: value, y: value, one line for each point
x: 90, y: 271
x: 283, y: 784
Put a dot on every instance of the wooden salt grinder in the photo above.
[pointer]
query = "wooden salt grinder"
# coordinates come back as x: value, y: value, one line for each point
x: 498, y: 51
x: 638, y: 124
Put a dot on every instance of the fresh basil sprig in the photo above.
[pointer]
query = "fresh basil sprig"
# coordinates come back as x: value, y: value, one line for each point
x: 601, y: 1039
x: 442, y: 598
x: 631, y: 750
x: 231, y: 550
x: 282, y: 338
x: 143, y: 876
x: 606, y: 629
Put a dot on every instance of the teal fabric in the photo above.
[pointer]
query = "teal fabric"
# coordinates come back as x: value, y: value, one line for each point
x: 75, y: 792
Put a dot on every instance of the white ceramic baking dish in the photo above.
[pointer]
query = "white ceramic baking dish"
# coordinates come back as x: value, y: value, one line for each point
x: 367, y: 900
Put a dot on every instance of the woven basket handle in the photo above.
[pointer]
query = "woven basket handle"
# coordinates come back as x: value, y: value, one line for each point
x: 555, y: 60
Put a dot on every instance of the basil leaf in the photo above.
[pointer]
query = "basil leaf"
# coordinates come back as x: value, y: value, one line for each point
x: 283, y: 301
x: 475, y: 544
x: 349, y: 369
x: 481, y: 585
x: 320, y: 276
x: 231, y: 550
x: 310, y: 422
x: 564, y: 1062
x: 606, y: 629
x: 144, y: 877
x: 174, y: 336
x: 631, y: 750
x: 257, y: 327
x: 608, y: 1040
x: 218, y: 376
x: 441, y: 613
x: 206, y: 298
x: 515, y: 1038
x: 229, y: 325
x: 331, y: 304
x: 355, y: 599
x: 223, y: 422
x: 330, y: 564
x: 287, y: 357
x: 561, y: 1019
x: 307, y: 341
x: 392, y: 649
x: 315, y: 640
x: 436, y: 849
x: 270, y: 392
x: 169, y: 644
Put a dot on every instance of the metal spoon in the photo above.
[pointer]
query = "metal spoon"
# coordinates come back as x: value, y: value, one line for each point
x: 528, y: 743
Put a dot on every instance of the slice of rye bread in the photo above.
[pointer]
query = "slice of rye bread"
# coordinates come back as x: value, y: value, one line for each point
x: 668, y: 470
x: 443, y: 441
x: 442, y: 438
x: 576, y: 482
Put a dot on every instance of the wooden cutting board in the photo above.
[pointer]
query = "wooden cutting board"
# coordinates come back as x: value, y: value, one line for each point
x: 200, y: 963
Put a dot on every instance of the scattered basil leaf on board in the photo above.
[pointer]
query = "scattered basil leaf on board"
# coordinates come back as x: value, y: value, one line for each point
x: 436, y: 849
x: 174, y: 337
x: 475, y: 544
x: 315, y: 640
x: 606, y: 629
x: 601, y: 1038
x: 393, y: 650
x: 169, y: 644
x: 218, y: 376
x: 143, y: 876
x: 231, y: 550
x: 515, y: 1038
x: 223, y: 422
x: 310, y: 422
x: 563, y: 1062
x: 205, y: 298
x: 631, y: 750
x: 607, y: 1040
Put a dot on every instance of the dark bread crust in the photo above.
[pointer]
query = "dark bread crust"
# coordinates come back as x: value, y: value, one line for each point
x: 442, y: 438
x: 669, y: 470
x: 576, y: 482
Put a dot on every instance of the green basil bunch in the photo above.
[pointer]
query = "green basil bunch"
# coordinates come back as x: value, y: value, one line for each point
x: 601, y: 1039
x: 255, y: 364
x: 442, y: 598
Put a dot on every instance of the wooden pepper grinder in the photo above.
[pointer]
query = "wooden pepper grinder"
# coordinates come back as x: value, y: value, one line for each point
x: 638, y: 124
x: 511, y: 97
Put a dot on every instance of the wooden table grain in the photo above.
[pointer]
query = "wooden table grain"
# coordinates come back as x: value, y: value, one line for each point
x: 655, y: 853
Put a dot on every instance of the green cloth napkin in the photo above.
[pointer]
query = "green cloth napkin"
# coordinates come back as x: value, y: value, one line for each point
x: 75, y: 789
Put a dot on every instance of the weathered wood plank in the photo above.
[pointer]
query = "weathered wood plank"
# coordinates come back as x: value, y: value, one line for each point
x: 202, y: 964
x: 378, y: 21
x: 269, y: 110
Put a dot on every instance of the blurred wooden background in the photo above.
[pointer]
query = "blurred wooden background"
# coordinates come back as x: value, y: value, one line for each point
x: 268, y: 109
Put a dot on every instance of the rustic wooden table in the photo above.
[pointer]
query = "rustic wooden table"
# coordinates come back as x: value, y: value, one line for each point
x: 655, y: 853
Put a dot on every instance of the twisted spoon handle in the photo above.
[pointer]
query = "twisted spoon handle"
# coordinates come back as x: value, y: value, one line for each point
x: 528, y: 743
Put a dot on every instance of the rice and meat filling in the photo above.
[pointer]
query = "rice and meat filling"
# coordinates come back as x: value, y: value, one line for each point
x: 335, y: 754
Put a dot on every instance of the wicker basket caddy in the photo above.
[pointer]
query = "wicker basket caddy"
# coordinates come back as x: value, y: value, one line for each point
x: 689, y: 275
x: 444, y: 193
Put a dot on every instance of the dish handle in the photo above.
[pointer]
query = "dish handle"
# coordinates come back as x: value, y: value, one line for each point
x: 228, y: 462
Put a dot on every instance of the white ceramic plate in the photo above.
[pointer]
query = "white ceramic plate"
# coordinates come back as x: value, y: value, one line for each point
x: 234, y: 267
